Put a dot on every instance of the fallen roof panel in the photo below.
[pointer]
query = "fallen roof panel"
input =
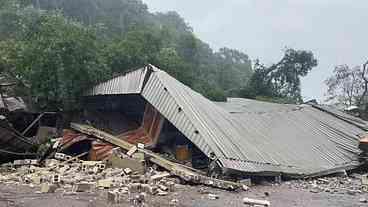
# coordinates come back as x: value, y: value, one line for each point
x: 254, y: 136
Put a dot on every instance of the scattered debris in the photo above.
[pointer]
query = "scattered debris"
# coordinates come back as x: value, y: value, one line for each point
x: 350, y: 185
x: 184, y: 172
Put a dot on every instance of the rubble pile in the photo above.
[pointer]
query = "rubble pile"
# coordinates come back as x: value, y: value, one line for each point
x: 353, y: 184
x: 68, y: 175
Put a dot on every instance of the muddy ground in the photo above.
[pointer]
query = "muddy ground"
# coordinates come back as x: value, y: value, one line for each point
x: 280, y: 195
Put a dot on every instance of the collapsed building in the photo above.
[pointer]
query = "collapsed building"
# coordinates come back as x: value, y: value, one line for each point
x: 235, y: 138
x: 21, y: 130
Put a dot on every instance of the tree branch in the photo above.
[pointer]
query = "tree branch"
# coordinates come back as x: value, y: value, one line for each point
x: 365, y: 83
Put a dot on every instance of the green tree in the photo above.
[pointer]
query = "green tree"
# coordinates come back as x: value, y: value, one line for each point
x: 281, y: 80
x: 233, y: 70
x: 135, y: 49
x: 131, y: 37
x: 59, y: 59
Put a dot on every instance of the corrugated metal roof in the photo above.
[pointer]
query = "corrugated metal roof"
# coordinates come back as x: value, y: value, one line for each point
x: 300, y: 136
x: 255, y: 136
x: 344, y: 116
x: 13, y: 103
x: 129, y: 83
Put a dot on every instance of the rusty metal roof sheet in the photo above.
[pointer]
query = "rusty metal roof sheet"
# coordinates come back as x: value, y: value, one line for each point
x: 255, y: 136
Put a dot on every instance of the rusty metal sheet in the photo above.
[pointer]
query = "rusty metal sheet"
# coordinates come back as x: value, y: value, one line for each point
x: 149, y: 130
x: 100, y: 151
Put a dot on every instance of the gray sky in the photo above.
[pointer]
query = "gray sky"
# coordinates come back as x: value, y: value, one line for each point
x: 335, y: 30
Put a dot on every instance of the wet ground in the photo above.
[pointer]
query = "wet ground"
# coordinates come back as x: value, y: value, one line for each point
x: 282, y: 195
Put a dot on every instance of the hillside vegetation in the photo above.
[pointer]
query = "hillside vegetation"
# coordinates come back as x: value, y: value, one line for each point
x: 56, y: 49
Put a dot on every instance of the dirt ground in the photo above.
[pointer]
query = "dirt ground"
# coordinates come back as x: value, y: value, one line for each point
x: 282, y: 195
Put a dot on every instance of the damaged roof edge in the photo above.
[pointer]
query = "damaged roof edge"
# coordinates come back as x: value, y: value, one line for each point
x: 343, y: 116
x: 129, y: 83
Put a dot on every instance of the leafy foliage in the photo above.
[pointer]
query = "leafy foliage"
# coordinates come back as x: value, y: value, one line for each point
x: 281, y: 80
x: 57, y: 58
x: 348, y: 86
x: 345, y: 86
x: 56, y: 49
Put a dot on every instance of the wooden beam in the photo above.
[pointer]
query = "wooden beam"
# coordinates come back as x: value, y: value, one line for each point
x: 32, y: 124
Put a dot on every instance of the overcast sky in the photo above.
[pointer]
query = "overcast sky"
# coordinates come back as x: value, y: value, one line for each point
x: 335, y: 30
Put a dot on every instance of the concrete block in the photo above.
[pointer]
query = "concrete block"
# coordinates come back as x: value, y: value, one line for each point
x: 365, y: 179
x: 83, y: 187
x: 159, y: 176
x: 124, y: 190
x: 140, y: 146
x: 171, y: 186
x: 68, y: 157
x: 51, y: 162
x: 161, y: 192
x: 134, y: 187
x: 113, y: 197
x: 18, y: 162
x: 134, y: 164
x: 59, y: 156
x: 101, y: 166
x: 132, y: 151
x: 164, y: 188
x: 138, y: 156
x: 56, y: 178
x: 253, y: 202
x: 48, y: 188
x: 127, y: 171
x: 26, y: 162
x: 36, y: 179
x: 106, y: 183
x: 34, y: 162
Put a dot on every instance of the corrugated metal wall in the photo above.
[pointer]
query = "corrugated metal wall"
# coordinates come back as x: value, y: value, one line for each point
x: 130, y: 83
